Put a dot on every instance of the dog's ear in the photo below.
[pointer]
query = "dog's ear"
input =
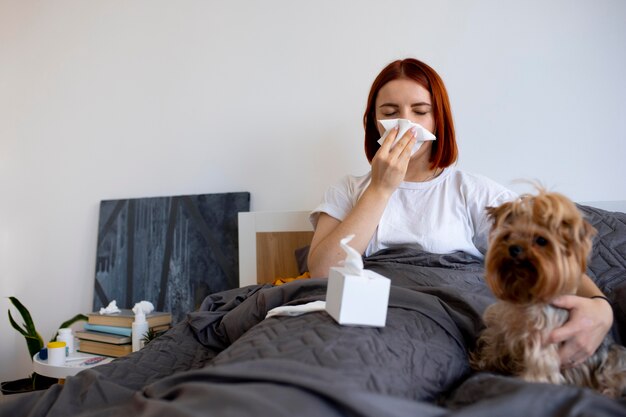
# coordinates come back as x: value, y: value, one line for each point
x: 578, y: 234
x: 586, y: 232
x: 498, y: 214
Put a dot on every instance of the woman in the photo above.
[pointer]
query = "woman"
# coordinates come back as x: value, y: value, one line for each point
x: 419, y: 199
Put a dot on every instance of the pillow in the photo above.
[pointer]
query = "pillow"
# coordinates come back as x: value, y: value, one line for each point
x: 607, y: 263
x: 301, y: 256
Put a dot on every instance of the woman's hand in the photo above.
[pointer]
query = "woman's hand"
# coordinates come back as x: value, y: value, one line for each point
x: 590, y: 319
x: 389, y: 167
x: 390, y: 163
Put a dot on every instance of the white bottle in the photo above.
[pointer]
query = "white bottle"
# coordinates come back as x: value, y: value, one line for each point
x: 65, y: 335
x: 56, y: 353
x: 139, y: 330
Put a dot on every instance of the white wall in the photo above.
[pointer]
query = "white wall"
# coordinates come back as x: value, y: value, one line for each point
x: 113, y: 99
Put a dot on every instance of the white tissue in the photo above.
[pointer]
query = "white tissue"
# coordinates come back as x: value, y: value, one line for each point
x: 404, y: 125
x: 145, y: 306
x: 297, y: 310
x: 353, y: 262
x: 110, y: 309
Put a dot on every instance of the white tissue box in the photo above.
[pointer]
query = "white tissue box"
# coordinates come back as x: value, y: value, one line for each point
x: 355, y: 300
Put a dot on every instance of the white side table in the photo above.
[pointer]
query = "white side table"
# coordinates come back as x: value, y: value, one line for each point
x: 74, y: 363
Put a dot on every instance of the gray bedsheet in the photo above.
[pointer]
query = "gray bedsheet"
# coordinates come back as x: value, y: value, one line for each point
x: 227, y: 360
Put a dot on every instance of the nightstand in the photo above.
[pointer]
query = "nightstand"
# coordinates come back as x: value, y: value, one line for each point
x: 74, y: 363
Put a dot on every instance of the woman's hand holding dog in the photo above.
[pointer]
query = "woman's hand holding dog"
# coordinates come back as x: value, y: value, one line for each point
x: 589, y: 321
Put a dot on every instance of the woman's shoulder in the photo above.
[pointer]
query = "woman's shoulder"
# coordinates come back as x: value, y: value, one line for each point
x: 472, y: 179
x: 480, y: 185
x: 469, y: 176
x: 353, y: 183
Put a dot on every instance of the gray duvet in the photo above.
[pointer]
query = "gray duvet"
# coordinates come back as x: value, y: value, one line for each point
x: 228, y: 360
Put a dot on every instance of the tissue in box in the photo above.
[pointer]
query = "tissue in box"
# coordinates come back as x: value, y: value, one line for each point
x: 357, y: 300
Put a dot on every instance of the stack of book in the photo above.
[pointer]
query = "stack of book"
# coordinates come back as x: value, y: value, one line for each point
x: 110, y: 334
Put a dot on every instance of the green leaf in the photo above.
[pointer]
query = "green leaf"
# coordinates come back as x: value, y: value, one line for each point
x: 16, y: 326
x: 28, y: 321
x: 68, y: 323
x: 34, y: 341
x: 76, y: 318
x: 35, y: 344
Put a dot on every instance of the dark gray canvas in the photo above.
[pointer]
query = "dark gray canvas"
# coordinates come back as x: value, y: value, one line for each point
x: 171, y: 251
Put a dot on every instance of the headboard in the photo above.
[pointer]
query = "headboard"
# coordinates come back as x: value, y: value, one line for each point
x: 267, y: 242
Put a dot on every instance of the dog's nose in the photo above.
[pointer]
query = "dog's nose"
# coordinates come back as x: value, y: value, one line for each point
x: 515, y: 250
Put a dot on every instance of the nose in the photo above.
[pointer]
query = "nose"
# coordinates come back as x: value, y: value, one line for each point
x: 515, y: 250
x: 405, y: 114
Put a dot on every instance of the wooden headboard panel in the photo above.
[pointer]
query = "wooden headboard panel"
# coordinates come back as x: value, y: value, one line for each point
x: 267, y: 241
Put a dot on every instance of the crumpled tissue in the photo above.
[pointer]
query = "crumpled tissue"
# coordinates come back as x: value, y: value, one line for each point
x: 356, y: 296
x: 110, y: 309
x: 404, y: 125
x: 353, y: 263
x: 297, y: 310
x: 144, y: 306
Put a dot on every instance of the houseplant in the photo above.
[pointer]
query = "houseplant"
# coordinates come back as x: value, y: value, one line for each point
x: 35, y: 343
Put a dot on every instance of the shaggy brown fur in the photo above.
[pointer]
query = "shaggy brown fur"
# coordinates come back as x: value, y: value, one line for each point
x: 538, y: 250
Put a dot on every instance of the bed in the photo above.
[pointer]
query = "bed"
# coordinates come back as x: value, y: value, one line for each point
x: 227, y: 359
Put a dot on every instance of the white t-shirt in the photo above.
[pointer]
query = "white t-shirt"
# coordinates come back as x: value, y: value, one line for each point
x: 443, y: 215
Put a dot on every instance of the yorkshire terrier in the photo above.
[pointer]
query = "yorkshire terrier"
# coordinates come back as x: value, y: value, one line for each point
x: 538, y: 249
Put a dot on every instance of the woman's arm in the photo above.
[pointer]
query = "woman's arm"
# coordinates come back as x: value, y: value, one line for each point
x: 361, y: 221
x: 589, y: 321
x: 389, y: 166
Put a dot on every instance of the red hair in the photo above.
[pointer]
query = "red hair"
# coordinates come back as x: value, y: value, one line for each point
x: 444, y: 150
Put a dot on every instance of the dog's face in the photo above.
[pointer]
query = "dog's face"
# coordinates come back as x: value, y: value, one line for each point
x: 538, y: 248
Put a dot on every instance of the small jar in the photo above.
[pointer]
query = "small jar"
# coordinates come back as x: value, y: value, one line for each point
x: 56, y: 353
x: 65, y: 335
